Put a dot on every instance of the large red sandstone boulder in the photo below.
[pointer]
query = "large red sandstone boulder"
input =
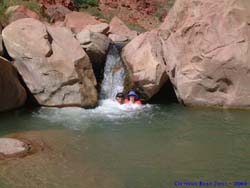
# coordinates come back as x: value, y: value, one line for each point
x: 96, y: 45
x: 145, y: 63
x: 12, y: 93
x: 119, y: 32
x: 55, y: 68
x: 77, y: 21
x: 207, y: 48
x: 19, y: 12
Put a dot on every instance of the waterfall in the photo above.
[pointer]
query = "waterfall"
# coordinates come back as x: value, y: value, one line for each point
x: 114, y: 74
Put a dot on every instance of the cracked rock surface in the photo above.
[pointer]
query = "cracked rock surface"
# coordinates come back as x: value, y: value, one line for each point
x: 144, y: 59
x: 52, y: 63
x: 206, y: 48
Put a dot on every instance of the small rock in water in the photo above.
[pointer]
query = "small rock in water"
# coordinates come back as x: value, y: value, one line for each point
x: 10, y: 147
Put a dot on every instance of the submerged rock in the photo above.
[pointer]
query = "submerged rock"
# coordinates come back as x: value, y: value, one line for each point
x: 207, y: 48
x: 12, y: 93
x: 145, y: 63
x: 52, y: 63
x: 10, y: 148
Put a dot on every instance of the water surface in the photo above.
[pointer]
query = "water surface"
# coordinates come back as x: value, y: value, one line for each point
x: 113, y: 147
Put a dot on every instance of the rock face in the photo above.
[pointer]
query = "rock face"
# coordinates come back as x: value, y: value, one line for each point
x: 207, y: 47
x: 95, y: 44
x: 12, y: 93
x: 144, y: 59
x: 1, y: 45
x: 33, y: 43
x: 56, y: 13
x: 54, y: 67
x: 141, y: 12
x: 98, y: 28
x: 19, y: 12
x: 1, y: 40
x: 119, y: 31
x: 77, y: 21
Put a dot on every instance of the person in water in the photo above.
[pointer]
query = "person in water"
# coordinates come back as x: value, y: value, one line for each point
x: 133, y: 98
x: 120, y: 98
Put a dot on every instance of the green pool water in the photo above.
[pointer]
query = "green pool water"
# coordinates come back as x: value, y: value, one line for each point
x: 109, y: 147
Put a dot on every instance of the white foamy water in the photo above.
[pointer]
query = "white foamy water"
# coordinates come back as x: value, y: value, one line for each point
x: 114, y: 73
x: 107, y: 111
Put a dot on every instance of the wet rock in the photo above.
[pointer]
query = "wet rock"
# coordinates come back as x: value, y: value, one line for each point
x: 10, y: 148
x: 77, y: 21
x: 207, y: 47
x: 19, y: 12
x: 12, y: 93
x: 120, y: 30
x: 54, y: 67
x: 146, y: 64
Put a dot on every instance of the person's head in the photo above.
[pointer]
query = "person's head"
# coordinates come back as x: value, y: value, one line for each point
x: 132, y: 96
x: 120, y: 98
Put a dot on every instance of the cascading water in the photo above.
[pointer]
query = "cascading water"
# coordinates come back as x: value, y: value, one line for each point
x: 114, y: 74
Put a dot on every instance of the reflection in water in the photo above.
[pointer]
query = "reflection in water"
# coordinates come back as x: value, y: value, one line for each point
x: 116, y: 148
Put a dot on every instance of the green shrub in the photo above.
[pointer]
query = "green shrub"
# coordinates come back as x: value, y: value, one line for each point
x: 30, y: 4
x: 111, y: 15
x: 163, y: 8
x: 136, y: 28
x: 3, y: 8
x: 94, y: 11
x: 85, y: 3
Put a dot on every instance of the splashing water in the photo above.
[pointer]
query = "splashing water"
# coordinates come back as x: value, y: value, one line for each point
x: 114, y: 74
x: 107, y: 111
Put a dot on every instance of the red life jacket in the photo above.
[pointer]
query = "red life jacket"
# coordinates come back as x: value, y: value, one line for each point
x: 126, y: 101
